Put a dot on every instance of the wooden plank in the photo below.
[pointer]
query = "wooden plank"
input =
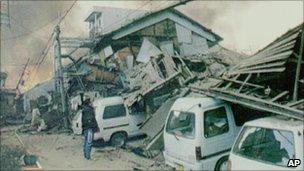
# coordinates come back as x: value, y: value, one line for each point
x: 257, y: 71
x: 275, y: 51
x: 279, y: 96
x: 246, y: 80
x: 287, y: 34
x: 253, y: 102
x: 250, y: 91
x: 267, y: 59
x: 284, y: 41
x: 266, y: 65
x: 230, y: 83
x: 295, y: 103
x: 272, y: 48
x: 241, y: 82
x: 284, y: 47
x: 298, y: 69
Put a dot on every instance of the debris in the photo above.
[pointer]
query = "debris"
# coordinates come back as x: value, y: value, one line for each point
x: 149, y: 64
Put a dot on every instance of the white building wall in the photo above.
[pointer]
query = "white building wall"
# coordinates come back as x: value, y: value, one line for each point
x: 113, y: 18
x: 42, y: 89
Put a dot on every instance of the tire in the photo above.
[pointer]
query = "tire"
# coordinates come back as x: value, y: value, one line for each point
x: 221, y: 164
x: 118, y: 139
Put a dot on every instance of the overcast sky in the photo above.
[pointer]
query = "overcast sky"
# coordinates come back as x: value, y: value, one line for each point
x: 245, y: 26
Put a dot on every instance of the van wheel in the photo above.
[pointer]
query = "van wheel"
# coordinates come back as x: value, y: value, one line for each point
x: 118, y: 139
x: 221, y: 164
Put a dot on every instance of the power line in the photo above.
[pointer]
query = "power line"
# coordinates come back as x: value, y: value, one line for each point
x: 48, y: 45
x: 35, y: 61
x: 29, y: 31
x: 136, y: 10
x: 66, y: 13
x: 132, y: 12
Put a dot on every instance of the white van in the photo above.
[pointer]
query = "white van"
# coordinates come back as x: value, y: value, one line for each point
x: 114, y: 120
x: 199, y: 134
x: 269, y: 144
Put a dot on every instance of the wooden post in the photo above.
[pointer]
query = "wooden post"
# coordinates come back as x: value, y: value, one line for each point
x: 57, y: 52
x: 21, y: 76
x: 298, y: 70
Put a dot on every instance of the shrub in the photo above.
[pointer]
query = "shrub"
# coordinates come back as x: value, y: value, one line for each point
x: 9, y: 157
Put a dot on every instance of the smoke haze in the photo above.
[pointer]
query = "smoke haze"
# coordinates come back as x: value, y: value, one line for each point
x: 245, y: 27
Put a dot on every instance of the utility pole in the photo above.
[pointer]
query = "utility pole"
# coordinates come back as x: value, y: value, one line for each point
x: 59, y: 75
x: 5, y: 13
x: 21, y: 76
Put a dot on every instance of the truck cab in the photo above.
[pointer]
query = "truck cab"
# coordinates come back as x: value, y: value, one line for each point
x: 114, y: 120
x: 199, y: 133
x: 271, y: 143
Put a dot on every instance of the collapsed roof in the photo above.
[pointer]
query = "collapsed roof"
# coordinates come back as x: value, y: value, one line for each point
x: 263, y: 81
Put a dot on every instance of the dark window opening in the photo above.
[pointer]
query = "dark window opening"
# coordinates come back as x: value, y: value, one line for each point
x: 114, y: 111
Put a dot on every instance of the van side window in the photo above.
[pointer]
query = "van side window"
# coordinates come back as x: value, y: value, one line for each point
x: 266, y: 145
x: 215, y: 122
x: 114, y: 111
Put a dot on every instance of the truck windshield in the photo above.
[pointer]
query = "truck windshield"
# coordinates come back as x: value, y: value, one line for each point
x: 266, y: 145
x: 181, y: 123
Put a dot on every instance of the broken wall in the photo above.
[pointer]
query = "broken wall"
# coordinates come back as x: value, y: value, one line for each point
x: 42, y: 89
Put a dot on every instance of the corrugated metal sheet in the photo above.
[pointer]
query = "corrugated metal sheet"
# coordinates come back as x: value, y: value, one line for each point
x: 155, y: 124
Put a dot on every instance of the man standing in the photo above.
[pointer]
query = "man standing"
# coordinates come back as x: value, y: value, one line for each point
x: 89, y: 126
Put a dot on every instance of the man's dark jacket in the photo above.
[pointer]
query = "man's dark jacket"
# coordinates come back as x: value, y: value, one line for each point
x: 88, y: 118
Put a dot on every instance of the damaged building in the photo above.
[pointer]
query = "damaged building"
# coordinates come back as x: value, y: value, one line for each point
x: 143, y: 54
x: 157, y: 57
x: 7, y: 100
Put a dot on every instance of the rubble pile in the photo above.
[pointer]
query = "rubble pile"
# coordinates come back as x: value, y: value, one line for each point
x: 263, y: 81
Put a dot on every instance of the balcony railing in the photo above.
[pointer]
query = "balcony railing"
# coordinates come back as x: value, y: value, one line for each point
x: 95, y: 31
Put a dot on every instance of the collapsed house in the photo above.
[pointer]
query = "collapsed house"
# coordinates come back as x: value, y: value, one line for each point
x: 139, y: 60
x: 270, y: 81
x: 148, y: 60
x: 142, y: 55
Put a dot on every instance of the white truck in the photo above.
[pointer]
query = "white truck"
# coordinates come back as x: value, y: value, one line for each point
x: 199, y: 133
x: 116, y: 123
x: 271, y: 143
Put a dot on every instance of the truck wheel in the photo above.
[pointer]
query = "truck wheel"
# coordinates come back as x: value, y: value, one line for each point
x: 118, y: 139
x: 221, y: 164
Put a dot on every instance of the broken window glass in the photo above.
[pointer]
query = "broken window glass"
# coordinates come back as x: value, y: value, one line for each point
x: 266, y: 145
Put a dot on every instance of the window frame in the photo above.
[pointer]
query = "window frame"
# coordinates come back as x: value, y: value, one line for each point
x: 204, y: 123
x: 258, y: 160
x: 120, y: 116
x: 170, y: 117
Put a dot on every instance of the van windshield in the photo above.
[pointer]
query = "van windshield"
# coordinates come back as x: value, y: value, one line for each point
x: 266, y: 145
x: 181, y: 123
